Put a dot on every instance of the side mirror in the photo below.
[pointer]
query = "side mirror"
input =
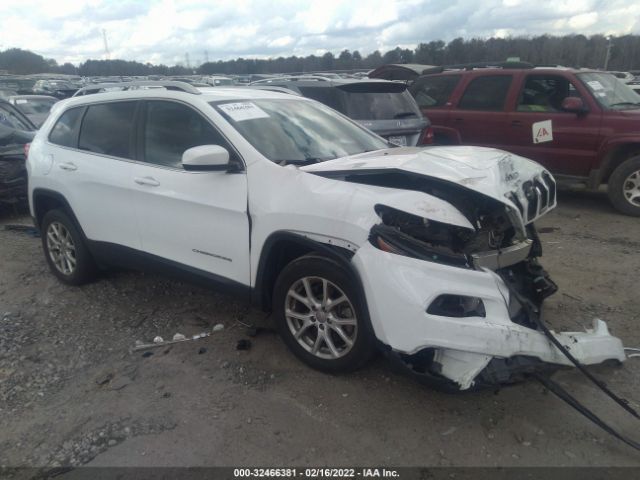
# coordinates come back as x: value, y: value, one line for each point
x: 574, y: 105
x: 206, y: 158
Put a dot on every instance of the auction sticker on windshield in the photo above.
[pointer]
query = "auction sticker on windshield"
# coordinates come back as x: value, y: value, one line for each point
x: 243, y: 111
x: 542, y: 131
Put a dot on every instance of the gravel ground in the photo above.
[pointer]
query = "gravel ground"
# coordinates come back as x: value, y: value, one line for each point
x: 72, y: 393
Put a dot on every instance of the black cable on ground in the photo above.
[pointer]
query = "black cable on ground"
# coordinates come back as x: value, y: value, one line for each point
x: 620, y: 401
x: 564, y: 395
x: 536, y: 313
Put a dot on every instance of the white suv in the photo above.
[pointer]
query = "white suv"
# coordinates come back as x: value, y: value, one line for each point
x: 352, y: 243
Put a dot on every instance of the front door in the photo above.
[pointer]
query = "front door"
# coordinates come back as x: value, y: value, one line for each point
x: 564, y: 142
x: 196, y: 219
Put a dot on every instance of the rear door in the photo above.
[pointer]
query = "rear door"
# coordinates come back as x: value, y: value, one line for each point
x: 93, y: 169
x: 432, y: 94
x: 479, y: 112
x: 196, y: 219
x: 564, y: 142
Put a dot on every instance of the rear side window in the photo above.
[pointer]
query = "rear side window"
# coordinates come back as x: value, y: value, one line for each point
x: 172, y: 128
x: 486, y: 93
x: 107, y: 128
x: 434, y: 91
x: 65, y: 131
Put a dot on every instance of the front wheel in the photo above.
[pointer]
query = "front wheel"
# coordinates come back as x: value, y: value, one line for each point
x: 624, y: 187
x: 320, y: 315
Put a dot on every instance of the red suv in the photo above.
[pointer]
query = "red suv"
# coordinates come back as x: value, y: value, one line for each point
x: 582, y: 125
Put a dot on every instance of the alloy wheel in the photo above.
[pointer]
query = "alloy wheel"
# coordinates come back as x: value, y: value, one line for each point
x: 62, y: 250
x: 321, y: 317
x: 631, y: 188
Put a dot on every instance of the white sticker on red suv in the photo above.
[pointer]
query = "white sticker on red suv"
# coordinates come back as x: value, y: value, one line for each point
x: 243, y: 111
x: 542, y: 131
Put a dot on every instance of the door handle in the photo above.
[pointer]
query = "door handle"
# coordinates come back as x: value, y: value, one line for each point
x: 457, y: 120
x: 516, y: 123
x: 69, y: 166
x: 150, y: 181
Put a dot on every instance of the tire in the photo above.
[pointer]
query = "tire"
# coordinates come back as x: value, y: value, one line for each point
x: 64, y: 249
x: 624, y: 187
x: 317, y: 320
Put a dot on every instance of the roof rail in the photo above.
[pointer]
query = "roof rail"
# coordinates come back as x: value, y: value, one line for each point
x: 479, y: 65
x: 318, y: 78
x: 167, y: 84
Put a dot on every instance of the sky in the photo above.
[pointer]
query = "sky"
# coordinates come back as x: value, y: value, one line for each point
x: 165, y: 31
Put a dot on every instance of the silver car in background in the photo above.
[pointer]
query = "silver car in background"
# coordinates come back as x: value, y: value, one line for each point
x: 384, y: 107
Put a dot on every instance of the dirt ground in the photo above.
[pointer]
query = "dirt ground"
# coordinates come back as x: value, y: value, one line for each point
x: 72, y: 393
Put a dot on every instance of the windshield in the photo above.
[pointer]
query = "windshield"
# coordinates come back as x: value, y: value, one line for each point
x: 34, y: 106
x: 9, y: 119
x: 609, y: 91
x: 60, y: 84
x: 297, y: 131
x: 381, y: 105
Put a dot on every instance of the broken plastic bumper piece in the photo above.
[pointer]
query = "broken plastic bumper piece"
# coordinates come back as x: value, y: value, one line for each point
x: 481, y: 345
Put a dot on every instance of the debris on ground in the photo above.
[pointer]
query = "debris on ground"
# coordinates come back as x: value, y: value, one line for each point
x: 243, y: 344
x: 218, y: 327
x: 147, y: 354
x: 159, y: 342
x: 202, y: 350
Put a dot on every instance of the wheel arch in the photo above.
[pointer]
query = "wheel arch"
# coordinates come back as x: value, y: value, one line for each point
x: 282, y: 247
x: 45, y: 200
x: 614, y: 157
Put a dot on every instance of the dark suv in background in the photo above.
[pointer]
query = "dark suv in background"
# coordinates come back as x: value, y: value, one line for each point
x: 583, y: 125
x: 16, y: 130
x: 386, y: 108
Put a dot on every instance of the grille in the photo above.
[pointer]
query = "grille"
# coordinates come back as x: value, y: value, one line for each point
x: 540, y: 195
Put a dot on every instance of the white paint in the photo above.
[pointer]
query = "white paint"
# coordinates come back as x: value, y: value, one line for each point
x: 542, y: 131
x: 243, y: 111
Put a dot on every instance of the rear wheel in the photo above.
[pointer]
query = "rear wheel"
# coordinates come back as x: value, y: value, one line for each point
x: 624, y: 187
x: 321, y: 316
x: 64, y: 249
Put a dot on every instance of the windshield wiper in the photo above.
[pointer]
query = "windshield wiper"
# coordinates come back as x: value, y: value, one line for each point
x: 304, y: 161
x: 405, y: 114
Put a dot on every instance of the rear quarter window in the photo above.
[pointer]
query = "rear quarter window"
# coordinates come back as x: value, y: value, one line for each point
x: 487, y: 93
x: 433, y: 92
x: 65, y: 131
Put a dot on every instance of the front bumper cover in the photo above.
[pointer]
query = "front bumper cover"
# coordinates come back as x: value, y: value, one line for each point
x: 399, y: 290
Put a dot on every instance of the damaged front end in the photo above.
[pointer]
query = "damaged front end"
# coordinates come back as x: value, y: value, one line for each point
x: 477, y: 292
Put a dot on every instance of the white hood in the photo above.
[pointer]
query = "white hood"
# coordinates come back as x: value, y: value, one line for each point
x: 488, y: 171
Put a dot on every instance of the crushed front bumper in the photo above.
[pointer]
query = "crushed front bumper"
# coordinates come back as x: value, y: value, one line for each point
x: 464, y: 350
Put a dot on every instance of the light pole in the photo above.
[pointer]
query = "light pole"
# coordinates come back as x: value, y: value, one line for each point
x: 608, y: 55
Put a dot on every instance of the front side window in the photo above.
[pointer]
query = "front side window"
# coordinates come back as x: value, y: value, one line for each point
x: 107, y: 128
x: 171, y: 128
x: 65, y: 131
x: 609, y: 91
x: 433, y: 92
x: 297, y: 131
x: 545, y: 93
x: 487, y: 93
